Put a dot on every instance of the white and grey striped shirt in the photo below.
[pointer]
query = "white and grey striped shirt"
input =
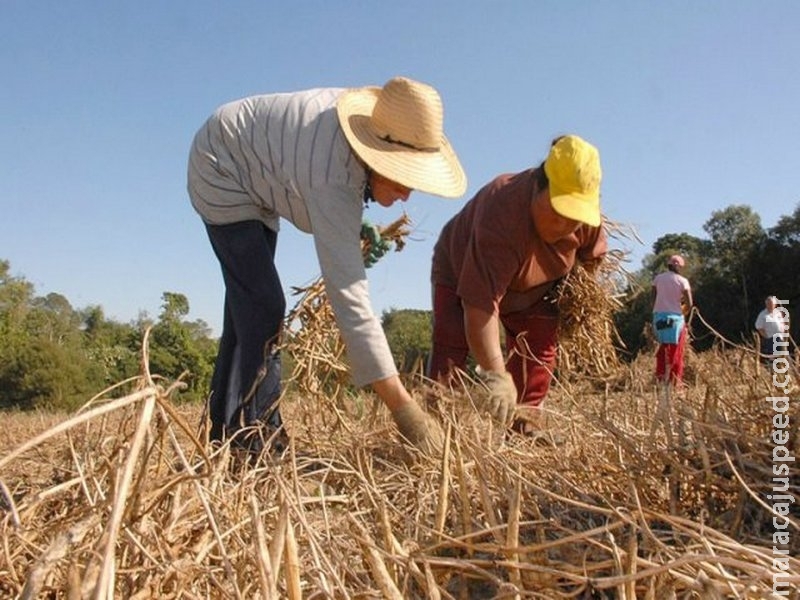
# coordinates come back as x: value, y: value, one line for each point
x: 284, y: 155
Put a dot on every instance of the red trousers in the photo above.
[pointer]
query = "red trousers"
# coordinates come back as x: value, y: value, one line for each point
x: 670, y: 356
x: 531, y: 343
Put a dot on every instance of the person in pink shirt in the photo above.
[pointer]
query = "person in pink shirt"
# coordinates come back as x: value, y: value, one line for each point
x: 672, y: 299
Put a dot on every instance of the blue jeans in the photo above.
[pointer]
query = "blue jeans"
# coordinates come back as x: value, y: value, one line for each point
x: 247, y: 372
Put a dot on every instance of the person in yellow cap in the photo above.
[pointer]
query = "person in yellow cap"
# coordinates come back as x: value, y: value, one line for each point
x: 313, y: 158
x: 495, y: 266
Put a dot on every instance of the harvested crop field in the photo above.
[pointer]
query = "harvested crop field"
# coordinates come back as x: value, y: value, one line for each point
x: 625, y: 497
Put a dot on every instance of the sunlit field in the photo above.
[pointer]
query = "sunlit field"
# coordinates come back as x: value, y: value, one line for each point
x: 625, y: 496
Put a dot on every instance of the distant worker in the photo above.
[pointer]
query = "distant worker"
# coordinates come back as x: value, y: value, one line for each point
x: 496, y: 264
x: 672, y: 302
x: 313, y: 158
x: 772, y: 325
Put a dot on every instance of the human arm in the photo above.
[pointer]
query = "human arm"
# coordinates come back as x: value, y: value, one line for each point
x: 488, y: 257
x: 483, y: 337
x: 686, y: 296
x: 414, y: 424
x: 686, y: 301
x: 336, y: 235
x: 336, y: 220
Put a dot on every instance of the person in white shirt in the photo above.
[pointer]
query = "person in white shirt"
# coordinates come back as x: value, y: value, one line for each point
x: 313, y: 158
x: 672, y: 298
x: 772, y: 323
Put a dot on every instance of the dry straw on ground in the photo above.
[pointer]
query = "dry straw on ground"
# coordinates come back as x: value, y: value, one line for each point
x: 641, y: 500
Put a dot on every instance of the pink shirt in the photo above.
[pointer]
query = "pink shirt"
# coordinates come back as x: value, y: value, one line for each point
x: 669, y: 290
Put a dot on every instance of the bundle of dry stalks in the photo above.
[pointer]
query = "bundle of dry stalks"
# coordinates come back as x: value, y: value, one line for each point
x: 312, y: 338
x: 127, y: 502
x: 587, y: 301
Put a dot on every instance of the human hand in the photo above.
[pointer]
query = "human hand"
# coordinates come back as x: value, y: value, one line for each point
x: 499, y: 398
x: 419, y: 428
x: 376, y: 247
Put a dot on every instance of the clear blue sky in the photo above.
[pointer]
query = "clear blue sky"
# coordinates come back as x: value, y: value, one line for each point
x: 693, y: 105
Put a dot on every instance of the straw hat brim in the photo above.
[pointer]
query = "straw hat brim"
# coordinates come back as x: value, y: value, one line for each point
x: 437, y: 172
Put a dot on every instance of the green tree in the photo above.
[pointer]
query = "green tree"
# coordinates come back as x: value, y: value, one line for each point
x: 45, y: 375
x: 178, y: 347
x: 632, y: 319
x: 16, y: 295
x: 52, y: 318
x: 408, y: 332
x: 774, y: 268
x: 691, y: 248
x: 786, y: 232
x: 113, y: 348
x: 42, y: 362
x: 54, y: 356
x: 722, y: 286
x: 734, y: 233
x: 15, y: 299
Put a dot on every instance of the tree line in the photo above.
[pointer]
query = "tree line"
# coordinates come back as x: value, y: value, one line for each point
x: 54, y: 356
x: 731, y: 272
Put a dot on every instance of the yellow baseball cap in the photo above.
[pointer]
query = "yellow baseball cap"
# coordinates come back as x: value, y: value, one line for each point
x: 573, y: 170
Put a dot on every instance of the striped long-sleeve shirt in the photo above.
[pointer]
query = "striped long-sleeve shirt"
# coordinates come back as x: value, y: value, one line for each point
x: 284, y: 155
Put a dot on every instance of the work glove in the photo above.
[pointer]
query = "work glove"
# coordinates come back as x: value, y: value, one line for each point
x: 376, y: 246
x: 499, y: 396
x: 419, y: 428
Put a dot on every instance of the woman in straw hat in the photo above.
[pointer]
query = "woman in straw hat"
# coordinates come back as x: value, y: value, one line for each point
x: 314, y: 158
x: 495, y: 263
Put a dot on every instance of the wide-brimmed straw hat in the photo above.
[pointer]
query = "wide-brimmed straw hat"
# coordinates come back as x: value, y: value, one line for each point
x: 573, y: 170
x: 398, y: 131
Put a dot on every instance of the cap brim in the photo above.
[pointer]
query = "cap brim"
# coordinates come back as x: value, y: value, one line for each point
x: 436, y: 172
x: 577, y: 207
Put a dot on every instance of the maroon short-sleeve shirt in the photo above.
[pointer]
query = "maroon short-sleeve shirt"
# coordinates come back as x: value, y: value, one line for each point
x: 492, y: 256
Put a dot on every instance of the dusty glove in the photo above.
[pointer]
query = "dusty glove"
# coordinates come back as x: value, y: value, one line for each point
x: 375, y: 244
x: 419, y: 428
x: 500, y: 395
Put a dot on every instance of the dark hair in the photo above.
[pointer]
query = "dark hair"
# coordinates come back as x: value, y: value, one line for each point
x: 542, y: 182
x: 540, y: 178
